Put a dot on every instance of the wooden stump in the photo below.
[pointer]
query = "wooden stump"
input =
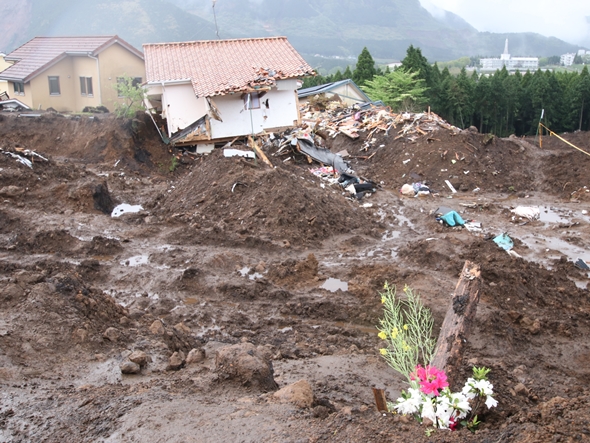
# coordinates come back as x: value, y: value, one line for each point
x: 458, y: 320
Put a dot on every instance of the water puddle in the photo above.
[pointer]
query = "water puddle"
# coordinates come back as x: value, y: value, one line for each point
x: 245, y: 272
x: 136, y: 261
x: 553, y: 248
x: 125, y: 208
x: 333, y: 285
x: 390, y: 235
x: 549, y: 215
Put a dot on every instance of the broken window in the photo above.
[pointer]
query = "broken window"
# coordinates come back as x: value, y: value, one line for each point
x: 86, y: 86
x: 251, y: 100
x: 19, y: 88
x: 54, y: 85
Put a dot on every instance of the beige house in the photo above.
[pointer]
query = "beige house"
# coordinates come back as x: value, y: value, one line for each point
x: 219, y: 89
x: 3, y: 66
x: 71, y: 73
x: 345, y: 91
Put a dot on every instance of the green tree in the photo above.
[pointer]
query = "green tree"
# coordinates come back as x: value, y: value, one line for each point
x: 400, y: 89
x: 338, y: 76
x: 416, y: 62
x: 347, y: 74
x: 580, y: 99
x: 132, y: 94
x: 365, y: 68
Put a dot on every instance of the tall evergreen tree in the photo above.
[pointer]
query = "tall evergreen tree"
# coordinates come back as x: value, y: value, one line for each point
x: 347, y: 74
x: 365, y: 68
x: 416, y: 62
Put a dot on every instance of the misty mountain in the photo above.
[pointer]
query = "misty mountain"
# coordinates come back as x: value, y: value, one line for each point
x: 326, y: 28
x: 137, y: 21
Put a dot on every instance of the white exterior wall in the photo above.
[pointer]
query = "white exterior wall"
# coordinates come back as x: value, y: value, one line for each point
x: 282, y: 111
x: 181, y: 107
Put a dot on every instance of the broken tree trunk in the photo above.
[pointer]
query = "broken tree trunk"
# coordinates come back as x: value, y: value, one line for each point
x: 458, y: 320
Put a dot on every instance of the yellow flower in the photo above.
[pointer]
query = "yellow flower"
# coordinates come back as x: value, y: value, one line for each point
x: 385, y: 286
x: 382, y: 299
x: 383, y: 351
x: 382, y: 335
x: 405, y: 327
x: 394, y: 332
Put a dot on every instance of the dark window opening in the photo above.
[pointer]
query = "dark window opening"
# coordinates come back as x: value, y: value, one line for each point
x: 86, y: 86
x: 54, y: 85
x: 19, y: 88
x: 251, y: 100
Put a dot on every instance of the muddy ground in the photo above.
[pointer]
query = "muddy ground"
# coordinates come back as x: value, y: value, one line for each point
x: 225, y: 252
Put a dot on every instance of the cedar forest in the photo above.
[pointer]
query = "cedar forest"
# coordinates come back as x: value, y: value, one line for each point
x: 499, y: 103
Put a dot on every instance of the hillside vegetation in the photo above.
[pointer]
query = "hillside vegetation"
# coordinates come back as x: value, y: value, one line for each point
x: 328, y: 27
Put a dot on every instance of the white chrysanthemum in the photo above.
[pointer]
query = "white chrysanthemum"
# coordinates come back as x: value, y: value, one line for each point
x: 428, y: 410
x: 484, y: 387
x: 460, y: 403
x: 444, y: 412
x: 409, y: 405
x: 491, y: 402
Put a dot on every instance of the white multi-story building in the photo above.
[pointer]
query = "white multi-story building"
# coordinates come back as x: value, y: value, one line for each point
x: 567, y: 59
x: 511, y: 63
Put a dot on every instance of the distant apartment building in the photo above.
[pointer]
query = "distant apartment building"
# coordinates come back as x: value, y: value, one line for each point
x: 511, y: 63
x: 567, y: 59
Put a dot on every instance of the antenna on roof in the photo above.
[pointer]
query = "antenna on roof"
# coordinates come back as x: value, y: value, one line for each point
x: 215, y: 18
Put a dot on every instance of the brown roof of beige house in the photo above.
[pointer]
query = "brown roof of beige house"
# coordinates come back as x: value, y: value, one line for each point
x: 219, y: 67
x: 40, y: 53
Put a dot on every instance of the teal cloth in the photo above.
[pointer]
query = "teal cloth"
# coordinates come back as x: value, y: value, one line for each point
x: 452, y: 219
x: 504, y: 242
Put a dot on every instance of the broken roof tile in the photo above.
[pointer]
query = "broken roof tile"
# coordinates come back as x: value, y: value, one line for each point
x: 219, y: 67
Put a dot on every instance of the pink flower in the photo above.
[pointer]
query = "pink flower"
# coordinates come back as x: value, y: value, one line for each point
x: 431, y: 379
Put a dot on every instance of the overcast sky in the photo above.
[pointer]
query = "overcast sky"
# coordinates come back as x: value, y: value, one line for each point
x: 565, y: 19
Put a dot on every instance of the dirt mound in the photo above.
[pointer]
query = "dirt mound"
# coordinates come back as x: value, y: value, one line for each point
x: 133, y: 143
x: 226, y: 199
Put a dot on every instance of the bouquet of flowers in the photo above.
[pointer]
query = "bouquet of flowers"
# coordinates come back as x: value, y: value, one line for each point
x: 429, y: 398
x: 406, y: 329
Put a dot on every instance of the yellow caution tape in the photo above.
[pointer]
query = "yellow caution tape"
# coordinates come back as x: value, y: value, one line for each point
x: 563, y: 140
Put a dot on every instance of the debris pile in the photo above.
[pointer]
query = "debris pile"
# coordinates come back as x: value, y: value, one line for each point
x: 21, y: 154
x: 372, y: 119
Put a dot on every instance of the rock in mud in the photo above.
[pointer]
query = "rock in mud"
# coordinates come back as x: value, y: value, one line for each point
x: 102, y: 198
x: 130, y: 367
x: 157, y: 328
x: 80, y: 335
x: 139, y: 357
x: 112, y: 334
x: 11, y: 191
x: 182, y: 328
x: 176, y: 361
x: 195, y: 356
x: 244, y: 363
x: 300, y: 394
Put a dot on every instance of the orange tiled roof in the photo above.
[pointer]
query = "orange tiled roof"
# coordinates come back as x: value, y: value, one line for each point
x: 218, y: 67
x: 38, y: 54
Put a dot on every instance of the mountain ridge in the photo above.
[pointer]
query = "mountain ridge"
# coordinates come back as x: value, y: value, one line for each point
x: 327, y: 27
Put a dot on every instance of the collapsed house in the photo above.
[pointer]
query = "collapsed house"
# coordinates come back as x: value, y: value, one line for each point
x: 213, y: 90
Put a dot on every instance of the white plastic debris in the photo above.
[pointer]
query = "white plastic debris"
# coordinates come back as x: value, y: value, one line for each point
x: 530, y: 212
x: 237, y: 153
x: 124, y: 208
